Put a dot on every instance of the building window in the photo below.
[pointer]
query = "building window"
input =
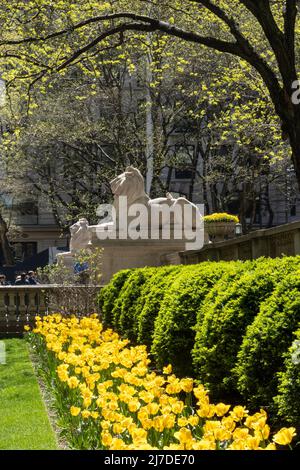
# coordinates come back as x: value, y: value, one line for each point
x: 293, y: 210
x: 25, y: 212
x: 24, y: 250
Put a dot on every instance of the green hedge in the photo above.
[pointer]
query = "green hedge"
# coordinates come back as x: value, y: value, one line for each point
x: 229, y: 324
x: 287, y: 400
x: 154, y: 293
x: 174, y: 335
x: 109, y: 294
x: 267, y: 339
x: 128, y: 305
x: 222, y: 321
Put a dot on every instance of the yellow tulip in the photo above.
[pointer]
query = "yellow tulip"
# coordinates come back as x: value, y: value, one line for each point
x: 73, y: 382
x: 271, y: 447
x: 284, y: 436
x: 252, y: 442
x: 106, y: 438
x: 168, y: 369
x: 74, y: 410
x: 204, y: 444
x: 221, y: 409
x: 187, y: 385
x: 238, y: 413
x: 85, y: 414
x: 193, y: 420
x: 184, y: 435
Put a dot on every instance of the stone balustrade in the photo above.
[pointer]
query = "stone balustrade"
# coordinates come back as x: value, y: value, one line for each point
x: 283, y: 240
x: 19, y: 305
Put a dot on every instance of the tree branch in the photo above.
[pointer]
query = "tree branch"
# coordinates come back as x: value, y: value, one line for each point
x: 290, y: 16
x: 261, y: 10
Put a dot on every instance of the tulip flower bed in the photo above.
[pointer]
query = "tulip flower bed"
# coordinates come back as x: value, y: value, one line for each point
x: 107, y: 397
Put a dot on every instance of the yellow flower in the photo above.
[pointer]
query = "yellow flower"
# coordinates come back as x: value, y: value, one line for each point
x: 139, y: 435
x: 206, y: 411
x: 168, y: 369
x: 221, y: 409
x: 105, y: 425
x: 193, y: 420
x: 204, y: 444
x: 237, y: 445
x: 133, y: 400
x: 252, y: 442
x: 147, y: 397
x: 117, y: 444
x: 27, y: 328
x: 271, y: 447
x: 284, y: 436
x: 173, y: 447
x: 173, y: 388
x: 177, y: 407
x: 240, y: 433
x: 158, y: 423
x: 222, y: 434
x: 263, y: 433
x: 187, y: 385
x: 184, y: 435
x: 238, y: 413
x: 73, y: 382
x: 182, y: 421
x: 74, y: 410
x: 153, y: 408
x: 200, y: 392
x: 134, y: 405
x: 106, y: 438
x: 85, y: 414
x: 168, y: 421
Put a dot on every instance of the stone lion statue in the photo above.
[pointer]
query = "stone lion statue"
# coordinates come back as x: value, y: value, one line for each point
x: 131, y: 184
x: 80, y: 236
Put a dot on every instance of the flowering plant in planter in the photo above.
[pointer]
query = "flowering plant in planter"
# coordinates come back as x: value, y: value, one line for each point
x: 221, y: 217
x: 220, y: 225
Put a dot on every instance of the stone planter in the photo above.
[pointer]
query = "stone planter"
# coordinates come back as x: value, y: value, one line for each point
x: 219, y: 231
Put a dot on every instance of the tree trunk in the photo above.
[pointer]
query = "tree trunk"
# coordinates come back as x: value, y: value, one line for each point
x: 149, y: 128
x: 6, y: 249
x: 294, y: 138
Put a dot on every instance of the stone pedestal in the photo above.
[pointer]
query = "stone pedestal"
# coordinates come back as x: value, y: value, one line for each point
x: 125, y: 254
x: 66, y: 259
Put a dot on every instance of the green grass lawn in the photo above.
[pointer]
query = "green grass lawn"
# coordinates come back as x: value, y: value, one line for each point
x: 24, y: 422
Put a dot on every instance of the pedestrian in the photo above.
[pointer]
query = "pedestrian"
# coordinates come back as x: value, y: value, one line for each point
x: 32, y: 278
x: 3, y: 281
x: 21, y: 280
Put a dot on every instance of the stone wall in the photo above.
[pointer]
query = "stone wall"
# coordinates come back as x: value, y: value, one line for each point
x: 274, y: 242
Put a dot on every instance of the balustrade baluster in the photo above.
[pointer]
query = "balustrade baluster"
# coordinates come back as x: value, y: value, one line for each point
x: 3, y: 309
x: 32, y: 308
x: 12, y: 310
x: 22, y: 309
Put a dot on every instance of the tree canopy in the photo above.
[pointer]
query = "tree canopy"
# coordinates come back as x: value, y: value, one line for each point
x: 40, y: 38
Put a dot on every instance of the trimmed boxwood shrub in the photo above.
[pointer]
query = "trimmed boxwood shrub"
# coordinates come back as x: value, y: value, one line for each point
x: 127, y: 306
x: 267, y: 339
x: 152, y: 296
x: 173, y: 336
x: 109, y: 294
x: 243, y: 315
x: 228, y: 310
x: 288, y: 399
